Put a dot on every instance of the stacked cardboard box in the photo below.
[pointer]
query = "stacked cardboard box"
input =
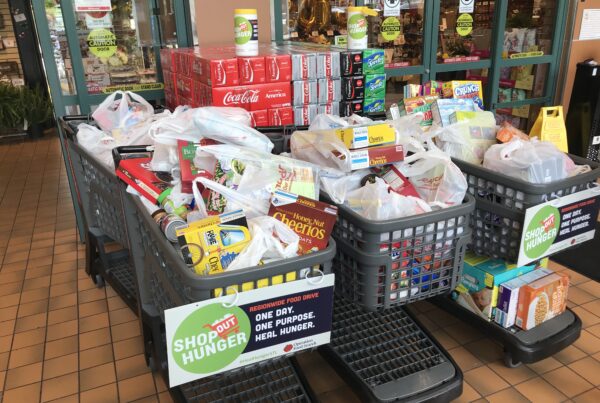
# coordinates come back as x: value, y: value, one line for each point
x: 363, y: 82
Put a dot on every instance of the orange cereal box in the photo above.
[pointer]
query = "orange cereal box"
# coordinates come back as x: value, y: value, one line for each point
x: 542, y: 300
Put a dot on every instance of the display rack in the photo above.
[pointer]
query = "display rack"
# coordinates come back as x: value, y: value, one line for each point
x: 388, y: 355
x: 521, y: 346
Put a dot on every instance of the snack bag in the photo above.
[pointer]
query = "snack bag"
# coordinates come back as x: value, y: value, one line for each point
x: 507, y: 132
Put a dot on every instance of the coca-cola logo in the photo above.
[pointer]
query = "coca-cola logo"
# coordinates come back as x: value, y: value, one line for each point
x: 247, y: 71
x: 249, y: 96
x: 328, y: 65
x: 274, y: 69
x: 305, y: 91
x: 357, y: 58
x: 304, y: 67
x: 359, y: 83
x: 220, y: 75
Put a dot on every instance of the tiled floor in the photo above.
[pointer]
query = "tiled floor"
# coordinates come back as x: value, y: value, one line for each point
x: 63, y: 339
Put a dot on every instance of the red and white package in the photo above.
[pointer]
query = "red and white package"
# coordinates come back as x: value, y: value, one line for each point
x: 254, y: 97
x: 215, y: 71
x: 259, y: 118
x: 281, y: 116
x: 398, y: 182
x: 279, y: 68
x: 252, y: 70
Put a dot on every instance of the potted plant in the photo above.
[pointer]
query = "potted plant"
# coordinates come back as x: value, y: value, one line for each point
x: 11, y: 108
x: 37, y: 109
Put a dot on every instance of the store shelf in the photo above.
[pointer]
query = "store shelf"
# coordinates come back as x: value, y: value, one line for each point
x: 522, y: 346
x: 388, y: 356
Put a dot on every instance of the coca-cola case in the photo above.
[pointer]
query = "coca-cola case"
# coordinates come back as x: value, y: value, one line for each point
x: 330, y: 90
x: 167, y: 60
x: 348, y: 108
x: 281, y: 116
x: 279, y: 68
x: 252, y: 70
x: 328, y: 64
x: 254, y: 97
x: 183, y: 60
x: 332, y: 108
x: 260, y: 118
x: 215, y: 70
x: 185, y: 88
x: 305, y: 92
x: 351, y: 63
x: 304, y: 115
x: 304, y: 66
x: 169, y: 81
x: 353, y: 88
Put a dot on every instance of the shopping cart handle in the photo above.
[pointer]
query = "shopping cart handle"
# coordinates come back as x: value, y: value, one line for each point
x: 119, y: 152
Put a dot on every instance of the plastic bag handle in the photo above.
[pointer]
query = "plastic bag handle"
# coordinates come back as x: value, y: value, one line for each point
x: 117, y: 152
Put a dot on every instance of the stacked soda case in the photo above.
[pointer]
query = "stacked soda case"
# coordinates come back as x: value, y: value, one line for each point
x: 363, y: 82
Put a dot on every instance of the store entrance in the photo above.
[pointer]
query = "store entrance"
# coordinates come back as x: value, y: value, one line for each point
x: 92, y: 48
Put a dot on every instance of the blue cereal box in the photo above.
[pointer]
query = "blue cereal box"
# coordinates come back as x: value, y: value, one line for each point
x: 373, y: 61
x: 375, y: 86
x: 441, y: 109
x: 464, y: 90
x: 374, y: 105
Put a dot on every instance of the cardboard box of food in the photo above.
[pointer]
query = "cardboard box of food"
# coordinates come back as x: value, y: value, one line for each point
x: 464, y: 89
x: 441, y: 109
x: 481, y: 277
x: 366, y: 136
x: 373, y: 156
x: 508, y: 296
x: 542, y: 300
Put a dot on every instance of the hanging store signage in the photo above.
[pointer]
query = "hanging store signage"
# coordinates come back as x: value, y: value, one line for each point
x: 214, y: 336
x: 390, y: 28
x: 92, y: 5
x: 559, y: 224
x: 391, y: 8
x: 102, y: 43
x: 466, y: 6
x: 464, y: 24
x: 133, y: 87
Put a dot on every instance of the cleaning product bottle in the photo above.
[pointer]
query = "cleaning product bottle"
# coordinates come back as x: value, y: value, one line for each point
x: 358, y: 27
x: 245, y: 26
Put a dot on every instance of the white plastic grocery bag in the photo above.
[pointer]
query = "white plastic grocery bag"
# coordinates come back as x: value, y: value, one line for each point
x: 532, y: 161
x: 122, y: 113
x: 435, y: 177
x: 97, y: 143
x: 375, y: 201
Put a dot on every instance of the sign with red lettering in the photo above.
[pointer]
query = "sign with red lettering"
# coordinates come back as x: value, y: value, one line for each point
x: 92, y: 5
x: 218, y: 335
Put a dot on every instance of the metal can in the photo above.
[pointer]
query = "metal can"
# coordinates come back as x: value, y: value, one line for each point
x: 330, y: 90
x: 169, y: 224
x: 332, y: 108
x: 328, y: 64
x: 304, y: 115
x: 305, y: 92
x: 304, y: 66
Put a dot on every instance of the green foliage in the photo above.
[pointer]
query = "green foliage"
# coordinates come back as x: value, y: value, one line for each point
x: 37, y: 108
x: 11, y: 106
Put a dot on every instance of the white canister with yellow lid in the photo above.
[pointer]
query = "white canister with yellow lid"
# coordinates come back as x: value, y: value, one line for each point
x: 245, y: 28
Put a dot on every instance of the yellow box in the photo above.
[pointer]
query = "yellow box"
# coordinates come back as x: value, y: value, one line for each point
x: 366, y: 136
x: 464, y: 90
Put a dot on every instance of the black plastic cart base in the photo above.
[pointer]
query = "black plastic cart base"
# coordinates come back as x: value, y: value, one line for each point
x: 522, y: 346
x: 388, y: 356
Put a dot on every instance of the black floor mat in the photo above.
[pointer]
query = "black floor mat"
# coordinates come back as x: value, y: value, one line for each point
x: 583, y: 259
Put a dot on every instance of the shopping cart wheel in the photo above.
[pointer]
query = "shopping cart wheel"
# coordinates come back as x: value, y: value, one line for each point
x: 510, y: 361
x: 99, y: 281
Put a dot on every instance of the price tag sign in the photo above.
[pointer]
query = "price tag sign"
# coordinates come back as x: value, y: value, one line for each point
x: 92, y: 5
x: 558, y: 224
x: 221, y: 334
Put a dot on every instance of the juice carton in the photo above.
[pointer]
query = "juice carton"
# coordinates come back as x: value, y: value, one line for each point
x: 211, y: 244
x: 542, y: 300
x: 312, y: 220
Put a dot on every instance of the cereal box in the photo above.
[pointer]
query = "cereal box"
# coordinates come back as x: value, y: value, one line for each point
x: 312, y: 220
x: 420, y: 104
x: 211, y: 244
x: 464, y: 89
x: 542, y: 300
x: 441, y: 109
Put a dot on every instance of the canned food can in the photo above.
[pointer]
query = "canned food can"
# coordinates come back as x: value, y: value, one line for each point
x: 304, y: 66
x: 304, y: 115
x: 305, y: 92
x: 328, y: 64
x: 169, y: 225
x: 330, y: 90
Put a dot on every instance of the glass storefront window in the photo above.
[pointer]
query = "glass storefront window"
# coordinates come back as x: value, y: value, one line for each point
x: 467, y: 75
x: 401, y: 36
x: 465, y: 36
x: 117, y: 47
x: 522, y: 82
x: 529, y: 28
x: 316, y: 21
x: 62, y: 56
x: 395, y: 88
x: 522, y: 119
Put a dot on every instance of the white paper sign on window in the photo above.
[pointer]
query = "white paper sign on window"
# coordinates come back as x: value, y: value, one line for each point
x: 466, y: 6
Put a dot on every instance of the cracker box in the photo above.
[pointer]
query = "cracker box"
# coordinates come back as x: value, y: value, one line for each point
x: 542, y: 300
x: 420, y: 104
x: 481, y: 277
x: 508, y: 296
x: 441, y: 109
x: 373, y: 156
x: 312, y: 220
x: 366, y: 136
x: 211, y: 244
x: 464, y: 89
x: 189, y: 171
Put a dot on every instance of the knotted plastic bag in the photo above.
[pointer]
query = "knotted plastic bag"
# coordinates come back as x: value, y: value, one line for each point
x: 122, y: 113
x: 97, y: 143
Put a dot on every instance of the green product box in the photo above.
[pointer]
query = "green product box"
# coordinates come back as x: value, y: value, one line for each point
x: 375, y: 86
x: 373, y: 61
x: 374, y: 105
x: 480, y: 280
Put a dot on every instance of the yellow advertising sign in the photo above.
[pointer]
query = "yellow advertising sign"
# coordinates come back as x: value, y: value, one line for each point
x: 464, y: 24
x: 102, y: 43
x: 133, y: 87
